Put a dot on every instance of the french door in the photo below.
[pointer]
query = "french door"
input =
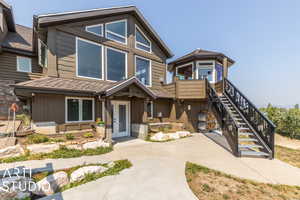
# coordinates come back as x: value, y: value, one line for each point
x: 121, y: 119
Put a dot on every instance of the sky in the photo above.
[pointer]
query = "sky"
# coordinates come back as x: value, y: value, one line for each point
x: 263, y: 37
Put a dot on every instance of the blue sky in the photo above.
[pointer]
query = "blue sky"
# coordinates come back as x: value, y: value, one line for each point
x: 261, y: 36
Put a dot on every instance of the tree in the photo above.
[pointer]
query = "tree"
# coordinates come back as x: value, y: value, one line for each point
x: 296, y: 106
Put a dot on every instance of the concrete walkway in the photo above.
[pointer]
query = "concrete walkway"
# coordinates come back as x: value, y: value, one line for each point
x: 158, y: 169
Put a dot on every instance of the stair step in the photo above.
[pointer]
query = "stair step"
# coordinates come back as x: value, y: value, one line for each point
x: 254, y: 153
x: 249, y: 146
x: 246, y: 133
x: 247, y: 140
x: 243, y: 129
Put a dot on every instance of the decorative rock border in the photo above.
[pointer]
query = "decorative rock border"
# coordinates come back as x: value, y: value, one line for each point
x: 162, y: 137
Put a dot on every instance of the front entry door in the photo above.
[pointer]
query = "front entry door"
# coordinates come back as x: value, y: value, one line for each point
x: 121, y: 120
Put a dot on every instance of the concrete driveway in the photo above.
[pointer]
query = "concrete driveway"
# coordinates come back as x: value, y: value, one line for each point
x: 158, y: 170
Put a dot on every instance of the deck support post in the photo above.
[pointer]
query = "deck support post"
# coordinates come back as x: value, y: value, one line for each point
x: 108, y: 109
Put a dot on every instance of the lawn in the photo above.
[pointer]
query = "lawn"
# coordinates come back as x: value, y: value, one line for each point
x: 291, y: 156
x: 208, y: 184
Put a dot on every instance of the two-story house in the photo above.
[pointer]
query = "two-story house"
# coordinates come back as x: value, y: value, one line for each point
x: 111, y: 64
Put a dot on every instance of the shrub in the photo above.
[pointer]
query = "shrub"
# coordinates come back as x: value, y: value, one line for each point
x: 56, y: 140
x: 24, y: 118
x: 70, y: 136
x: 37, y: 138
x: 88, y: 135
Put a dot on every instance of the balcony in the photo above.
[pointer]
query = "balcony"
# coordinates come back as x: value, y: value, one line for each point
x: 190, y: 89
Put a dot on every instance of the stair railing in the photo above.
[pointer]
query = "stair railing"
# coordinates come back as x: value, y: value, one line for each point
x: 225, y: 119
x: 260, y: 123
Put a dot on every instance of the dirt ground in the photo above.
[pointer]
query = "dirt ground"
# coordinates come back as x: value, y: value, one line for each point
x: 287, y: 142
x: 209, y: 184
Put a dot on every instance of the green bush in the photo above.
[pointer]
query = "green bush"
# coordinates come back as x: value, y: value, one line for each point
x: 70, y: 136
x: 88, y: 135
x: 24, y: 118
x: 37, y: 138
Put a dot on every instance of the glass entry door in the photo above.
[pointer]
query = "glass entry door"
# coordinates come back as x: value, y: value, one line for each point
x: 121, y: 122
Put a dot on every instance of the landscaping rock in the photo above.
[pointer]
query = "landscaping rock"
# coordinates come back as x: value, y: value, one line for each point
x: 160, y: 136
x: 95, y: 144
x: 11, y: 151
x: 50, y: 184
x: 14, y: 188
x: 80, y: 173
x: 74, y: 146
x: 42, y: 148
x: 174, y: 135
x: 183, y: 133
x: 111, y: 164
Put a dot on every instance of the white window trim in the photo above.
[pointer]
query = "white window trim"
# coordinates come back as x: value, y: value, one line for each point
x: 40, y: 42
x: 150, y: 68
x: 106, y: 66
x: 152, y: 114
x: 213, y: 67
x: 136, y: 42
x: 18, y: 64
x: 184, y: 65
x: 121, y: 36
x: 80, y: 109
x: 96, y: 25
x: 102, y: 64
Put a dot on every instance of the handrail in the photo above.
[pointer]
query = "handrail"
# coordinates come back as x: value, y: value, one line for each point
x: 260, y: 123
x: 227, y: 121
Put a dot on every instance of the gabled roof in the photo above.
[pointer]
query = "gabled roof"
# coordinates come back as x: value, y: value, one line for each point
x: 8, y: 14
x: 66, y: 17
x: 21, y: 39
x: 201, y: 54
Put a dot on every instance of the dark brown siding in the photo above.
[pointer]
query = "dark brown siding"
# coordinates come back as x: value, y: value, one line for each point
x: 191, y: 89
x: 170, y: 88
x: 8, y: 65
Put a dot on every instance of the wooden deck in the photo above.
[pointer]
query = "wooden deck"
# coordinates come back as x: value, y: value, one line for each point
x: 191, y: 89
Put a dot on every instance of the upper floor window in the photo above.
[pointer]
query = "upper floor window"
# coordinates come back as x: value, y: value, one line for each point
x: 116, y: 64
x: 117, y: 31
x: 23, y: 64
x: 89, y: 57
x: 143, y: 70
x: 95, y: 29
x: 141, y: 41
x: 185, y: 72
x: 1, y: 20
x: 42, y: 54
x: 205, y: 69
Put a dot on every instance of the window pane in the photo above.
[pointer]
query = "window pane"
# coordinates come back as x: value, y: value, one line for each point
x: 219, y: 70
x: 43, y: 58
x: 205, y: 73
x: 89, y: 59
x: 140, y: 38
x: 117, y: 27
x: 95, y: 29
x: 87, y: 110
x: 143, y: 47
x: 115, y: 37
x: 149, y: 109
x: 24, y: 64
x: 143, y: 70
x: 122, y: 118
x: 73, y: 110
x: 116, y: 64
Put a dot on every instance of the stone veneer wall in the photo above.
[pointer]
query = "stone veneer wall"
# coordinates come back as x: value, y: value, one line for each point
x: 139, y: 130
x: 7, y: 97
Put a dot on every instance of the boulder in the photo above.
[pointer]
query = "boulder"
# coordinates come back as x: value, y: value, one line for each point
x: 183, y: 133
x: 174, y: 136
x: 74, y: 146
x: 95, y: 144
x: 80, y: 173
x: 15, y: 187
x: 50, y: 184
x: 11, y: 151
x: 42, y: 148
x: 160, y: 136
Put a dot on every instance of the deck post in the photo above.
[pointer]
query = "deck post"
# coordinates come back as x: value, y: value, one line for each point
x: 108, y: 109
x: 145, y: 114
x: 225, y: 72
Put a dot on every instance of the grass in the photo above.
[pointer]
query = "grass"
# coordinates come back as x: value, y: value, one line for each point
x: 291, y: 156
x: 62, y: 152
x: 210, y: 184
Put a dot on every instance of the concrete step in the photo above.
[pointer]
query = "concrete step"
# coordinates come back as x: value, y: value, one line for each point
x: 244, y: 129
x: 247, y: 140
x: 249, y: 146
x: 254, y: 153
x: 245, y: 134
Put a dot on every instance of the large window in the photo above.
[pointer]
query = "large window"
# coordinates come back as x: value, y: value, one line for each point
x: 116, y: 65
x: 95, y: 29
x: 23, y: 64
x: 143, y: 70
x: 205, y: 69
x: 117, y: 31
x: 89, y: 59
x: 141, y: 41
x: 79, y: 109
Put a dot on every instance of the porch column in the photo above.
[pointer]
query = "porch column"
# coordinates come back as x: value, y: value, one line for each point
x: 225, y: 67
x: 145, y: 114
x: 108, y: 119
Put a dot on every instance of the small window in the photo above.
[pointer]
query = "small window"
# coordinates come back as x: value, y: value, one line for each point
x: 117, y: 31
x: 23, y: 64
x: 89, y: 59
x: 79, y: 109
x: 116, y: 65
x: 1, y: 20
x: 141, y: 41
x: 42, y: 53
x: 95, y: 29
x: 150, y: 109
x: 143, y: 70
